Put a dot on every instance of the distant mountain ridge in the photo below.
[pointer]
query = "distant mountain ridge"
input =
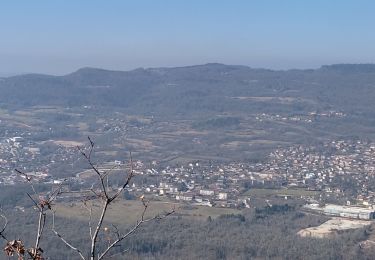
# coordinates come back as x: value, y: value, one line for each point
x: 193, y: 90
x: 351, y: 67
x: 364, y: 67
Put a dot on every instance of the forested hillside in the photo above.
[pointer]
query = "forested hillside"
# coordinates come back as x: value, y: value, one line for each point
x: 201, y: 89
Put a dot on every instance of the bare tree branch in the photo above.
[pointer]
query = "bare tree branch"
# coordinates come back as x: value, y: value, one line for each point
x: 131, y: 231
x: 56, y: 192
x: 93, y: 167
x: 89, y: 209
x: 63, y: 239
x: 4, y: 227
x: 42, y: 204
x: 130, y: 176
x: 107, y: 197
x: 28, y: 179
x: 97, y: 229
x: 117, y: 232
x: 41, y: 225
x: 35, y: 203
x: 109, y: 171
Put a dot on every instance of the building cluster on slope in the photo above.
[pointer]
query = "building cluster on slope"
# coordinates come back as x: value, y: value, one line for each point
x: 35, y: 159
x: 306, y: 118
x: 198, y: 183
x: 342, y: 171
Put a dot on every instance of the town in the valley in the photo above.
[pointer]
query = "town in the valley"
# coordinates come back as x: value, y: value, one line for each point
x: 339, y: 172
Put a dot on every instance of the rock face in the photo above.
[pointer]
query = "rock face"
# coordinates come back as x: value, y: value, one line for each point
x: 333, y: 227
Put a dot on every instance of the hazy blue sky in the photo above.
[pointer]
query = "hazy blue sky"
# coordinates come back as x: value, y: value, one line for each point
x: 59, y: 36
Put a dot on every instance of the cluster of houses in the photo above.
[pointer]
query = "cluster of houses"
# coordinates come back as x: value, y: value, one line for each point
x: 337, y: 168
x: 306, y: 118
x: 18, y: 152
x: 196, y: 183
x: 343, y: 169
x: 14, y: 152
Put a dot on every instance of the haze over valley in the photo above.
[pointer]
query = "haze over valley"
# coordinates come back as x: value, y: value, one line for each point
x: 211, y: 111
x: 187, y: 130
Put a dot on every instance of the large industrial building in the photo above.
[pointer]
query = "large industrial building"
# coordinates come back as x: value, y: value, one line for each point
x: 343, y: 211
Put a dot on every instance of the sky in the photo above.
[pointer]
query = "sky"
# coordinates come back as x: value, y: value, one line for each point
x: 60, y: 36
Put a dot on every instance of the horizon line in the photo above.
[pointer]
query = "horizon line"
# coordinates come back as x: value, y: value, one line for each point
x: 10, y: 74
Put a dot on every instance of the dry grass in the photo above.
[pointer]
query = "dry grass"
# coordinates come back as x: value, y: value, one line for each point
x: 280, y: 192
x: 127, y: 212
x: 68, y: 144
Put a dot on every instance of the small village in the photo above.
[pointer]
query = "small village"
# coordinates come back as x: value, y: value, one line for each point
x: 340, y: 171
x: 305, y: 118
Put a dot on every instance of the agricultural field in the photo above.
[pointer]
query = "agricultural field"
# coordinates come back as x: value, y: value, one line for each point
x: 129, y: 211
x: 280, y: 192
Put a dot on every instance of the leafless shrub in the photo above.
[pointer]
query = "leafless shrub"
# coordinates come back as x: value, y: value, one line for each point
x: 104, y: 193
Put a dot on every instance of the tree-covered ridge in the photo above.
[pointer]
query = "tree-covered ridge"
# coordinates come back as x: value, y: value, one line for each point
x: 209, y: 88
x: 253, y: 234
